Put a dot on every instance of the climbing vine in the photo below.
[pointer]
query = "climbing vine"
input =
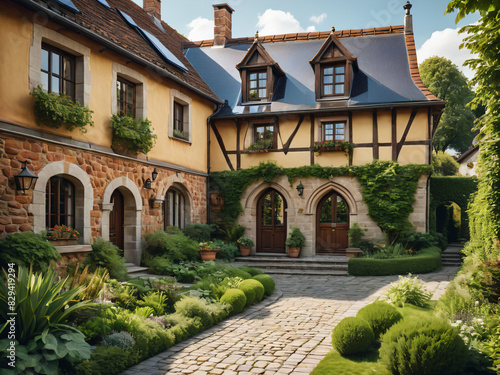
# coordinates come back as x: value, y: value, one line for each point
x: 388, y: 188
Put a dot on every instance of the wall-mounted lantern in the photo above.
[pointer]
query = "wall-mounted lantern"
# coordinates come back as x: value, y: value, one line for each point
x: 154, y: 174
x: 300, y: 189
x: 26, y: 179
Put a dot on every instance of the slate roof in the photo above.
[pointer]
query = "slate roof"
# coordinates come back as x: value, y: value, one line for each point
x: 386, y: 73
x: 107, y: 23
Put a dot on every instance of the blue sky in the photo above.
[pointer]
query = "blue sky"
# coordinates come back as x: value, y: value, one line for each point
x: 435, y: 33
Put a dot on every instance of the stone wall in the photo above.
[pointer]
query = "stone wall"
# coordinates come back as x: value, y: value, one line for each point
x: 18, y: 213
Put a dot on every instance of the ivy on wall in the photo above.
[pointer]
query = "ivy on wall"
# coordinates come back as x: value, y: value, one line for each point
x: 451, y: 189
x: 387, y: 187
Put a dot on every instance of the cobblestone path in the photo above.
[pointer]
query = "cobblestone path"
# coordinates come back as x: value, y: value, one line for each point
x: 288, y: 333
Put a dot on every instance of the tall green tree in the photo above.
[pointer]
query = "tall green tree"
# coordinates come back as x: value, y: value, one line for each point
x: 444, y: 80
x: 484, y: 40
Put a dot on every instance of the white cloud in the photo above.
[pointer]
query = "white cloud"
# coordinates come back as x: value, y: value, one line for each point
x: 201, y: 29
x: 445, y: 43
x: 318, y: 19
x: 273, y: 22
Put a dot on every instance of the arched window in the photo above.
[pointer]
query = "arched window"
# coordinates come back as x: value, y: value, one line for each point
x: 175, y: 206
x: 60, y: 202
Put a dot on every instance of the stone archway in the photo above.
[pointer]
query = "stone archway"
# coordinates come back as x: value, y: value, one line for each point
x: 84, y: 196
x: 132, y: 202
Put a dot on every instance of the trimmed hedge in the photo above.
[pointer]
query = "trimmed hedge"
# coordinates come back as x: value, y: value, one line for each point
x: 352, y: 336
x: 380, y: 316
x: 425, y: 261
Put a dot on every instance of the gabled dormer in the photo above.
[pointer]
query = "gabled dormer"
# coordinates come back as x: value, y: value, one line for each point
x: 333, y: 68
x: 259, y: 74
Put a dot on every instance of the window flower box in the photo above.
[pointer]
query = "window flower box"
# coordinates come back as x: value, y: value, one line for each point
x: 332, y: 146
x: 262, y: 145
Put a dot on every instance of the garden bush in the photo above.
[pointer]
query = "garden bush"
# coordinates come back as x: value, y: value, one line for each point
x: 27, y: 249
x: 427, y: 260
x: 122, y: 340
x: 423, y: 347
x: 236, y: 299
x: 195, y: 307
x: 105, y: 360
x: 183, y: 327
x: 267, y: 281
x: 352, y: 336
x: 106, y: 254
x: 228, y: 250
x: 174, y: 247
x: 249, y: 293
x: 408, y: 290
x: 380, y: 316
x: 236, y: 272
x: 256, y: 286
x: 200, y: 232
x: 418, y: 241
x: 252, y: 271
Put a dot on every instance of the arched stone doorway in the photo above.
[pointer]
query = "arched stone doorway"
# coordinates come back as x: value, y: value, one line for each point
x: 332, y: 224
x: 271, y: 222
x: 132, y: 209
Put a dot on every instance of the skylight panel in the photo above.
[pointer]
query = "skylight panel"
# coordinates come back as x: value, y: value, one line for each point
x: 168, y: 56
x: 68, y: 5
x: 158, y: 46
x: 105, y: 3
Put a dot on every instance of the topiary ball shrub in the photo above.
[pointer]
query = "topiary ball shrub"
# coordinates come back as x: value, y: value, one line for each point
x: 268, y: 283
x: 256, y: 286
x: 236, y: 272
x: 423, y: 347
x: 252, y: 271
x: 352, y: 336
x: 380, y: 316
x: 236, y: 299
x: 249, y: 293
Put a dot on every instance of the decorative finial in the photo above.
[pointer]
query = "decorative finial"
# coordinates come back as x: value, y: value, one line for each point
x: 333, y: 29
x: 256, y: 36
x: 407, y: 7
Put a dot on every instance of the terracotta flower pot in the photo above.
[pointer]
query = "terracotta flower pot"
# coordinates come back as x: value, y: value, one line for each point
x: 293, y: 252
x: 207, y: 255
x: 245, y: 250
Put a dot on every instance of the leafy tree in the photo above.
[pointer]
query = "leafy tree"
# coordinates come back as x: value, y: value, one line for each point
x: 484, y: 40
x: 443, y: 164
x: 444, y: 80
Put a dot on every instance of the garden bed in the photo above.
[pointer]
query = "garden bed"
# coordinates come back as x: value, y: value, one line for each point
x: 425, y: 261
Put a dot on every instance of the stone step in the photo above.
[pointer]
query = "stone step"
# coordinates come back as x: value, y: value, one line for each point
x: 299, y: 266
x: 451, y: 256
x: 293, y: 272
x: 451, y: 264
x: 288, y: 260
x: 133, y: 269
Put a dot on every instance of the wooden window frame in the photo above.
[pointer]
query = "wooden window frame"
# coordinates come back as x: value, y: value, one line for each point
x: 179, y: 116
x: 61, y: 76
x: 70, y: 201
x: 258, y: 88
x: 122, y: 103
x: 334, y: 83
x: 265, y: 125
x: 334, y: 123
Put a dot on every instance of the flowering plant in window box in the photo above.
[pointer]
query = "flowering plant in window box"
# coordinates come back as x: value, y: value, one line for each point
x: 132, y: 135
x: 328, y: 146
x: 63, y: 235
x: 54, y: 110
x: 262, y: 145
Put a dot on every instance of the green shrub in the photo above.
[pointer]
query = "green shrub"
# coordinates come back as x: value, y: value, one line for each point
x: 245, y: 241
x: 408, y: 290
x: 256, y: 286
x: 355, y: 235
x: 427, y: 260
x: 295, y: 238
x: 236, y: 299
x: 183, y: 327
x: 268, y: 283
x: 195, y: 307
x: 443, y: 164
x: 249, y: 293
x: 380, y: 316
x: 200, y: 232
x: 236, y: 272
x: 27, y: 249
x: 250, y: 270
x: 131, y: 134
x: 352, y: 336
x: 418, y: 241
x: 423, y: 347
x: 174, y: 247
x: 106, y: 254
x: 155, y: 300
x: 228, y: 250
x: 105, y: 360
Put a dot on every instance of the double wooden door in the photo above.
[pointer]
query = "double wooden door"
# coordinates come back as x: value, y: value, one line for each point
x: 271, y: 222
x: 332, y: 225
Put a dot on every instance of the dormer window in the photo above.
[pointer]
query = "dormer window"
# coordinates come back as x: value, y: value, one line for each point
x: 259, y: 75
x: 333, y: 69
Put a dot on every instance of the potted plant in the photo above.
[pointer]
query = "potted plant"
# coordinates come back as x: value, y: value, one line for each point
x: 207, y: 251
x: 63, y: 235
x: 294, y: 242
x: 245, y: 243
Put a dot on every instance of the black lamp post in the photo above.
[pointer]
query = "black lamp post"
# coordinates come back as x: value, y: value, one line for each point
x: 26, y: 179
x: 300, y: 189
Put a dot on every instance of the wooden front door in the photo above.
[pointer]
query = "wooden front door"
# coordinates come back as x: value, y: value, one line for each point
x: 332, y: 225
x: 116, y: 219
x: 271, y: 222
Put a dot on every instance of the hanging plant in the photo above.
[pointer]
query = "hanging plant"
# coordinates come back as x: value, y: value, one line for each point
x: 132, y: 135
x: 54, y: 110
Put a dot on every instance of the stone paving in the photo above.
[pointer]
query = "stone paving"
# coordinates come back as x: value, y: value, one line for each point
x: 288, y: 333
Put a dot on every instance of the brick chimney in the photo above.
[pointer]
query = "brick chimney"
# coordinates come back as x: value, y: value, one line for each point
x: 153, y: 8
x: 222, y: 24
x: 408, y: 18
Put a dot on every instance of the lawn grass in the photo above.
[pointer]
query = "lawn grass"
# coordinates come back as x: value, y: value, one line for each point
x: 334, y: 363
